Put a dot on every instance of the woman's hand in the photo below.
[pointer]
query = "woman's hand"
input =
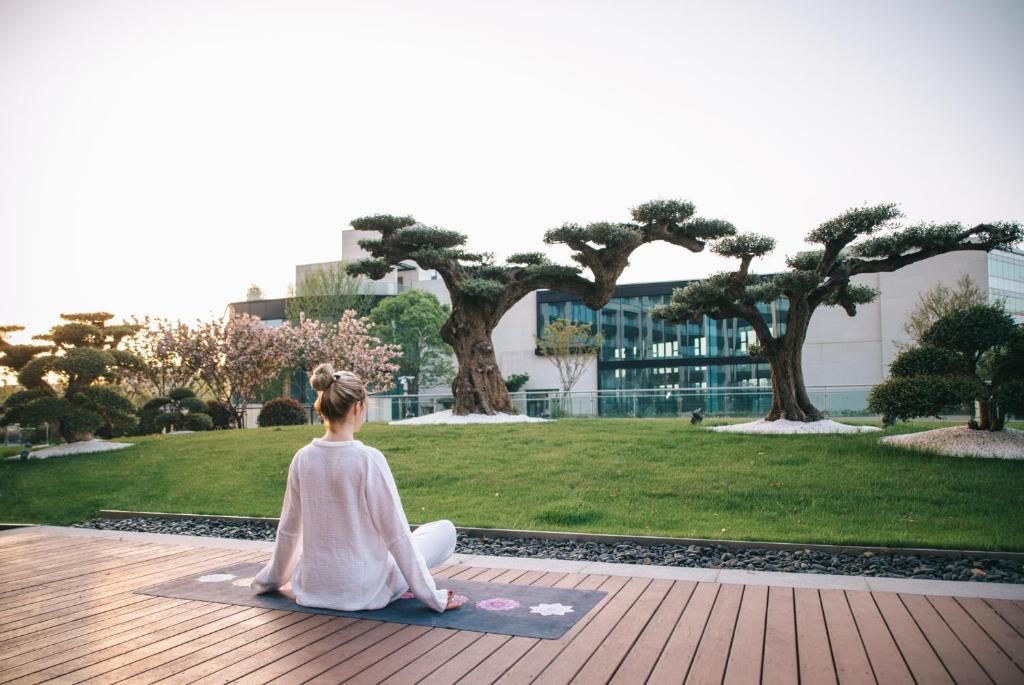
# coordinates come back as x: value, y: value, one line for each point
x: 452, y: 604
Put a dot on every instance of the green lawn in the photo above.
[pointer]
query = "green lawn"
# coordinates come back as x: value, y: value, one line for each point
x: 649, y: 477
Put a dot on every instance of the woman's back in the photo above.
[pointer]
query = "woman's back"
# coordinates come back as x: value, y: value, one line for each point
x: 343, y: 512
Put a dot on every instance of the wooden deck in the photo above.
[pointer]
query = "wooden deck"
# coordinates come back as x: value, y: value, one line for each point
x: 69, y: 615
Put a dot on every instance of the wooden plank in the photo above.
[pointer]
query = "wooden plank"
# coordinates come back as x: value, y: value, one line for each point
x: 1009, y: 612
x: 674, y: 661
x: 26, y: 599
x: 117, y: 660
x: 814, y: 654
x: 59, y: 644
x: 1001, y: 632
x: 575, y: 654
x: 334, y: 662
x: 217, y: 644
x: 79, y: 656
x: 746, y: 655
x: 138, y: 664
x: 918, y: 654
x: 647, y: 648
x: 886, y: 661
x: 514, y: 649
x: 57, y: 598
x: 779, y: 665
x: 988, y: 654
x: 91, y: 600
x: 16, y: 569
x: 605, y: 660
x: 848, y: 653
x: 430, y: 661
x: 957, y: 660
x: 451, y: 654
x: 237, y: 664
x: 544, y: 652
x: 92, y: 569
x: 206, y: 667
x: 459, y: 665
x: 72, y: 619
x: 713, y: 651
x: 355, y: 657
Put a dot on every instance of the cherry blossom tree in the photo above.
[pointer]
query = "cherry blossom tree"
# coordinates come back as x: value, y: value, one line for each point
x: 236, y: 356
x: 162, y: 345
x: 346, y: 345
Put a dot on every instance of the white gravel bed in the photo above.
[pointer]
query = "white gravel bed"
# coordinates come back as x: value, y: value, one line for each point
x: 786, y: 427
x: 961, y: 441
x: 83, y: 447
x: 447, y: 417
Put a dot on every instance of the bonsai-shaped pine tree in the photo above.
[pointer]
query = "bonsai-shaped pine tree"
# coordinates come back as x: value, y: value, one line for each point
x: 972, y: 354
x: 83, y: 359
x: 860, y: 241
x: 482, y: 291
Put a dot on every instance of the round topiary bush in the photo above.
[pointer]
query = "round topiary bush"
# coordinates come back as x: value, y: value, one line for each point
x: 282, y: 411
x: 198, y: 422
x: 220, y: 414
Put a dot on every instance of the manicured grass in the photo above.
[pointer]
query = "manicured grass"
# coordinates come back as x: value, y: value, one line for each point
x: 649, y: 477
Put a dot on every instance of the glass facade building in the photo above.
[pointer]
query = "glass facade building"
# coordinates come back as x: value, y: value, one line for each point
x: 641, y: 352
x: 1006, y: 281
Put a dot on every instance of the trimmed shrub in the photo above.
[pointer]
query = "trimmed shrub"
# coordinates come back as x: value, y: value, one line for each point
x: 516, y: 381
x: 197, y: 422
x: 282, y: 411
x: 220, y: 414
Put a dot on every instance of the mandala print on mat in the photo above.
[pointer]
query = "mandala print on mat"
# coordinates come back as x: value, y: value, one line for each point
x: 497, y: 604
x: 551, y: 609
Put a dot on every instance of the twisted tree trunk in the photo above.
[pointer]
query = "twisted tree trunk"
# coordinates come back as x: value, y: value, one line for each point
x: 785, y: 357
x: 478, y: 386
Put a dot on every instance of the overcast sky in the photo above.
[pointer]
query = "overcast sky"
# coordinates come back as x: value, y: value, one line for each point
x: 158, y: 157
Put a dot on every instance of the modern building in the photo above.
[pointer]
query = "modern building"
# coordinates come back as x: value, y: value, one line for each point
x: 642, y: 353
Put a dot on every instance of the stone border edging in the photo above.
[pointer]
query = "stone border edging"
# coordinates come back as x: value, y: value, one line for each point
x: 945, y: 588
x: 11, y: 526
x: 615, y: 539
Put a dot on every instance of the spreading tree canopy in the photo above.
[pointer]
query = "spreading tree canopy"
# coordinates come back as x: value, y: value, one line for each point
x: 68, y: 382
x: 971, y: 354
x: 482, y: 290
x: 859, y: 241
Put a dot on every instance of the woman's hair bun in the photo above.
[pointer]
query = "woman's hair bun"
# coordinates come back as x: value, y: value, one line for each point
x: 322, y: 377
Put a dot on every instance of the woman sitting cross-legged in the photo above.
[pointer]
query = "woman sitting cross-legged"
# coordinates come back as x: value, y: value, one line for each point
x: 344, y: 541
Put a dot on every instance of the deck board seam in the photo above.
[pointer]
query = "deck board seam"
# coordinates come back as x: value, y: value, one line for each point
x: 703, y: 630
x: 888, y: 629
x: 671, y: 632
x: 643, y: 628
x: 860, y: 636
x: 986, y: 634
x: 610, y: 631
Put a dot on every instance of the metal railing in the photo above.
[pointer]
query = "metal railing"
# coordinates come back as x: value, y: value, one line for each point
x: 838, y: 400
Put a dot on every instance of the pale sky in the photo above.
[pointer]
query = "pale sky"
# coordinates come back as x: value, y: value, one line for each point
x: 158, y: 157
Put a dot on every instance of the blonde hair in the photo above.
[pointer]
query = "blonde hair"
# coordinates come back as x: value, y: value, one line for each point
x: 338, y: 392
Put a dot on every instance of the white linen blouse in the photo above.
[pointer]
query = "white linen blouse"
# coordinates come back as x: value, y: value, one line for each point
x: 343, y: 539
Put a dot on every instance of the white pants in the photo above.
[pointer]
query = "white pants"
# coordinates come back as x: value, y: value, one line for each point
x: 435, y: 541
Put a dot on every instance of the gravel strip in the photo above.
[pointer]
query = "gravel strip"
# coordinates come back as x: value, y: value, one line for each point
x: 694, y: 556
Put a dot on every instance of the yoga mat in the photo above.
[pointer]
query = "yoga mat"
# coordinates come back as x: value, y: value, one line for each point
x: 504, y: 608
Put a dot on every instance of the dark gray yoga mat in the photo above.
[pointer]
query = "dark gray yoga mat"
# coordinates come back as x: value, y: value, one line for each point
x: 542, y: 612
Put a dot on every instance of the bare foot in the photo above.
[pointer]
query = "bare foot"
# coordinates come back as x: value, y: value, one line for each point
x: 451, y: 601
